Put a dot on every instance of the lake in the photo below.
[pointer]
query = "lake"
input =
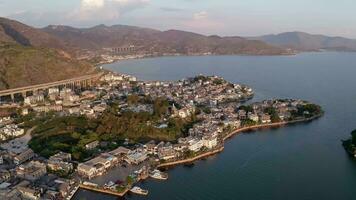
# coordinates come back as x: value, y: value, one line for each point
x: 298, y: 162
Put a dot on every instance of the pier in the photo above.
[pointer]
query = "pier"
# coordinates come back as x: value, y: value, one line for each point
x: 105, y: 191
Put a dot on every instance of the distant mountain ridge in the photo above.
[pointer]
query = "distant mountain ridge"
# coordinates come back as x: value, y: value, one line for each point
x: 308, y: 42
x: 158, y: 42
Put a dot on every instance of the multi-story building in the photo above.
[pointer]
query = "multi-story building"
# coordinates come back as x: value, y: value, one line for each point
x: 31, y: 171
x: 24, y: 156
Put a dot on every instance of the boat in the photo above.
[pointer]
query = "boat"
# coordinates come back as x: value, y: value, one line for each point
x: 156, y: 174
x: 110, y: 185
x: 138, y: 190
x: 190, y: 164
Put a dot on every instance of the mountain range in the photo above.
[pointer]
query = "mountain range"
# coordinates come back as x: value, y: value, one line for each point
x: 157, y: 42
x: 31, y: 55
x: 301, y: 41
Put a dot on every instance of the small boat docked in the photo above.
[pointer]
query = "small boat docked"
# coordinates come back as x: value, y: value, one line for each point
x: 138, y: 190
x: 156, y: 174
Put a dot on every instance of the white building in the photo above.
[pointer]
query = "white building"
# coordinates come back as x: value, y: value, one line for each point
x: 195, y: 145
x: 136, y: 157
x: 210, y: 141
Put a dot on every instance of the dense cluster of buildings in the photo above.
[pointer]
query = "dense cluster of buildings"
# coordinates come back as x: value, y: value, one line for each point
x: 10, y: 131
x: 212, y: 100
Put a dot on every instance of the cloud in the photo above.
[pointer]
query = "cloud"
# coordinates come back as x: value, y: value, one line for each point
x: 200, y: 15
x: 87, y: 13
x: 202, y: 22
x: 92, y: 4
x: 105, y: 9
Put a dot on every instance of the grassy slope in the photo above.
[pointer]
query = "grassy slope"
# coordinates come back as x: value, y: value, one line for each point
x: 22, y: 66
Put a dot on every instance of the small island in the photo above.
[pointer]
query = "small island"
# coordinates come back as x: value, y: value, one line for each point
x: 109, y: 136
x: 350, y: 144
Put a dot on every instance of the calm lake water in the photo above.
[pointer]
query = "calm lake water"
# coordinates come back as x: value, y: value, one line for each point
x: 299, y: 162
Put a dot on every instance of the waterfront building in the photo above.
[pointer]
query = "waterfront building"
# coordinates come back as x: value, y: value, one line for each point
x: 120, y: 151
x: 166, y: 153
x: 97, y: 166
x: 195, y: 145
x: 254, y: 117
x: 88, y: 171
x: 210, y: 141
x: 265, y: 118
x: 136, y: 157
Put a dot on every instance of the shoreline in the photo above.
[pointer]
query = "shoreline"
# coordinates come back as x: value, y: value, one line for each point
x: 205, y: 154
x: 186, y: 55
x: 233, y: 133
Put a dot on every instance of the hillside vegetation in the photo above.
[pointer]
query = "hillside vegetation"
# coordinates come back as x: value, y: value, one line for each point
x: 157, y: 42
x: 25, y: 65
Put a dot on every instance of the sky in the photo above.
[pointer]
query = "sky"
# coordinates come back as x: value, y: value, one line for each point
x: 209, y: 17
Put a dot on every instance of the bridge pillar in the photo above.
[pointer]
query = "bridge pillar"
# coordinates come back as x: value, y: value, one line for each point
x: 12, y: 97
x: 24, y: 94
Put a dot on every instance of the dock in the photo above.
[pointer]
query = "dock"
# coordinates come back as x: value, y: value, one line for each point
x: 104, y: 191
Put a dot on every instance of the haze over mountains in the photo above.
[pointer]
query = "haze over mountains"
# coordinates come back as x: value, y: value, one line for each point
x: 307, y: 42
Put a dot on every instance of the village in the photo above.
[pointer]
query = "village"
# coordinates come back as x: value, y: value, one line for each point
x: 210, y: 108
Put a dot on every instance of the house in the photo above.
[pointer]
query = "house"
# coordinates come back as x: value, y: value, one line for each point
x: 86, y: 170
x: 253, y: 117
x: 120, y: 151
x: 210, y: 141
x: 28, y: 193
x: 136, y: 157
x: 24, y: 111
x: 11, y: 130
x: 150, y: 147
x: 56, y: 165
x: 54, y: 90
x: 24, y: 156
x: 92, y: 145
x: 265, y: 118
x: 60, y: 162
x: 166, y: 153
x: 242, y: 114
x: 284, y: 115
x: 48, y: 108
x: 180, y: 147
x: 31, y: 171
x: 195, y: 145
x: 34, y: 99
x: 97, y: 165
x: 4, y: 176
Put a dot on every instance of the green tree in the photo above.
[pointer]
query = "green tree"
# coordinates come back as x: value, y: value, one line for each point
x: 133, y: 99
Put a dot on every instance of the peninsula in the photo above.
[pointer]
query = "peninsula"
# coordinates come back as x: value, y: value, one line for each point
x: 121, y: 130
